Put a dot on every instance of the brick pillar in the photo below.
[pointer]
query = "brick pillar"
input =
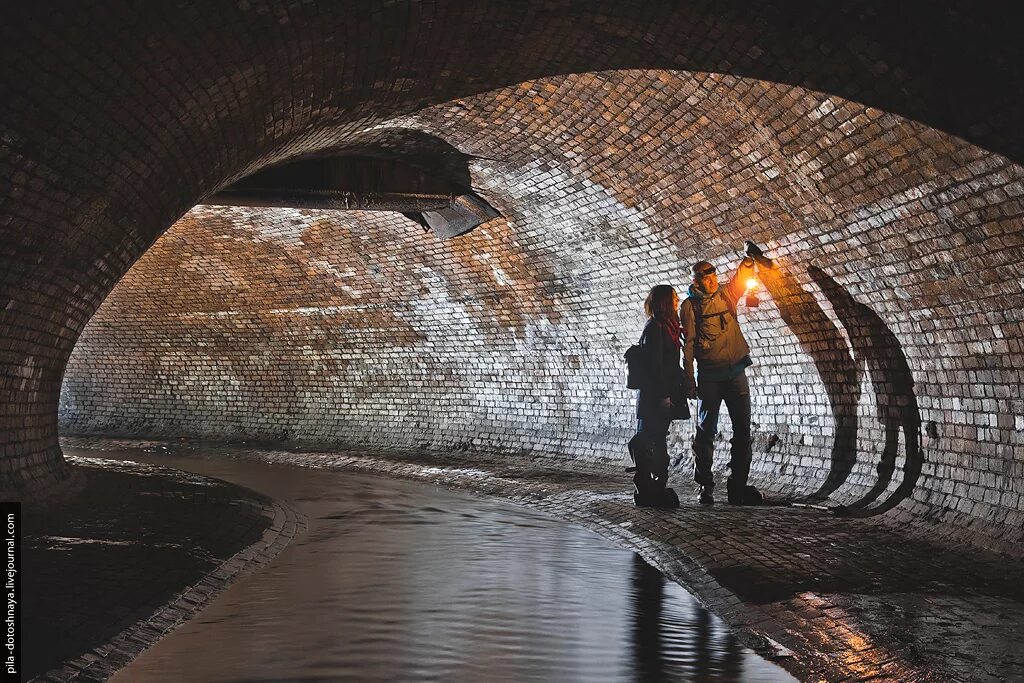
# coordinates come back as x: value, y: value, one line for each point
x: 35, y: 346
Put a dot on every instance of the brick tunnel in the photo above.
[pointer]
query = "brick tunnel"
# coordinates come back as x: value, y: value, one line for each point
x: 504, y: 182
x: 619, y: 145
x: 872, y: 150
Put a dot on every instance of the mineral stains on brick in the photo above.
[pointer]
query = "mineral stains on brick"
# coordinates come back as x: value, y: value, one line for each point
x: 361, y: 329
x: 619, y: 142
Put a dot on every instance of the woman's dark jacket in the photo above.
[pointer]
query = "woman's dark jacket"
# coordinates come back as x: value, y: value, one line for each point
x: 665, y: 377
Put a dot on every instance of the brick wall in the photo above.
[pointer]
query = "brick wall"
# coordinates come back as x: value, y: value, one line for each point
x: 688, y: 129
x: 893, y: 313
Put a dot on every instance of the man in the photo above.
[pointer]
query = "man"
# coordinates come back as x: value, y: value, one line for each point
x: 712, y: 336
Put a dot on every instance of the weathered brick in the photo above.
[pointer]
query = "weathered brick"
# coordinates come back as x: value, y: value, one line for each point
x: 682, y: 131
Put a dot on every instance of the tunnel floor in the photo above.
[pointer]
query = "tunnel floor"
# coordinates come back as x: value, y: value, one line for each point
x: 398, y: 580
x: 828, y: 598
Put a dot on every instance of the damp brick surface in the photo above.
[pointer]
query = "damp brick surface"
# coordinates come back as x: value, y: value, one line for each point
x: 359, y: 329
x: 620, y: 142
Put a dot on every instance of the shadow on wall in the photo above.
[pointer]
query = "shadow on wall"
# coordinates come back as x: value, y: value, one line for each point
x: 874, y: 347
x: 824, y: 343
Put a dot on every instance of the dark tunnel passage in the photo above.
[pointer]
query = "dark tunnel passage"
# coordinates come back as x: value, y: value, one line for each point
x: 619, y: 143
x: 403, y: 170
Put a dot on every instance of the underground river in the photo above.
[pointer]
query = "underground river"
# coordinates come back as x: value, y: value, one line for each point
x: 402, y: 581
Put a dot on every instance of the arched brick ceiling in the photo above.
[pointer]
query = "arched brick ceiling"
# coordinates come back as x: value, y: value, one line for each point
x: 362, y: 330
x: 116, y: 118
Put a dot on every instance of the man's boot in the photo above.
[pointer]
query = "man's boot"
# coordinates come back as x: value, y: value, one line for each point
x: 703, y: 453
x: 740, y: 493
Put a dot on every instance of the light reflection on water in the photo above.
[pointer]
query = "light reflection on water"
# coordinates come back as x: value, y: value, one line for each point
x: 398, y: 580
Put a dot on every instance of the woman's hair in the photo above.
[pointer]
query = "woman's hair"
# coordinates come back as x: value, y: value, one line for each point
x: 659, y: 302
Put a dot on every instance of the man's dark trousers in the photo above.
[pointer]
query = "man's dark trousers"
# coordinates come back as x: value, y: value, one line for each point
x: 735, y: 393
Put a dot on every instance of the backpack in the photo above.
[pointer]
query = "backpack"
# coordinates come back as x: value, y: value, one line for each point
x: 697, y: 304
x: 636, y: 365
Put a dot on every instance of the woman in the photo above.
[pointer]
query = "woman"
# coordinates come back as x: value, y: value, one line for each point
x: 660, y: 400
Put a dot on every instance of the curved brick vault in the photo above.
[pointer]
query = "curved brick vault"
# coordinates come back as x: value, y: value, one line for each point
x: 618, y: 143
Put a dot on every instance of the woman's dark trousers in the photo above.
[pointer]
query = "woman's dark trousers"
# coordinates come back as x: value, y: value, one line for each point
x: 651, y: 455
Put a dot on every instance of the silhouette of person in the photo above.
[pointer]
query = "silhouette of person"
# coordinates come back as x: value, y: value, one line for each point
x: 876, y: 346
x: 648, y: 588
x: 822, y: 340
x: 668, y: 648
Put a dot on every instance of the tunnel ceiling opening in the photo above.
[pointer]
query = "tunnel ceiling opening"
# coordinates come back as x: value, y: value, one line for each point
x: 346, y: 328
x: 407, y: 171
x: 354, y: 175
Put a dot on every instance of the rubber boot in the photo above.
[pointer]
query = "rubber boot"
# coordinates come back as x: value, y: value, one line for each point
x: 707, y: 496
x: 744, y: 494
x: 669, y: 499
x: 646, y: 490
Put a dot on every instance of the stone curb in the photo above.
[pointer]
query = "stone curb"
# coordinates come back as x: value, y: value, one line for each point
x: 105, y: 660
x: 774, y: 635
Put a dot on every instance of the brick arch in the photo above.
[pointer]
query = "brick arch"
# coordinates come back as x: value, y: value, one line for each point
x: 115, y: 123
x: 336, y: 328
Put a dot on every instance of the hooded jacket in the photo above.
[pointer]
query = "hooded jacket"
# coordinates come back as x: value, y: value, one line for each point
x: 718, y: 346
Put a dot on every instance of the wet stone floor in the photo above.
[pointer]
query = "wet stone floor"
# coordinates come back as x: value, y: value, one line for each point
x: 151, y: 548
x: 400, y: 580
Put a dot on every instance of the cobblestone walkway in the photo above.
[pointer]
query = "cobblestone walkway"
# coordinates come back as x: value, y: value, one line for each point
x: 833, y: 599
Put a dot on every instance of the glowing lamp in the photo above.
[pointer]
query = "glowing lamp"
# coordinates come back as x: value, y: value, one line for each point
x: 752, y: 301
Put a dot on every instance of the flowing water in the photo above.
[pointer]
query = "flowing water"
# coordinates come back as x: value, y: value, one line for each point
x: 402, y: 581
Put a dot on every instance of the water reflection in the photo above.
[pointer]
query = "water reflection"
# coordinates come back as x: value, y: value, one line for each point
x: 397, y: 580
x: 675, y: 639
